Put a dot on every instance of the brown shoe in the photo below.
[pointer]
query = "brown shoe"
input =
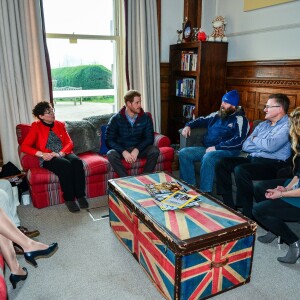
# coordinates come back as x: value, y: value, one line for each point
x: 18, y: 249
x: 30, y: 234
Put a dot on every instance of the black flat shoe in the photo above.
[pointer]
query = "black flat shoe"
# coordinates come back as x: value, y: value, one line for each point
x: 14, y: 279
x: 83, y: 202
x: 72, y: 206
x: 30, y: 256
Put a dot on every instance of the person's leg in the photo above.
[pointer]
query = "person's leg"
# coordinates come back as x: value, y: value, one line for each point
x: 224, y: 168
x: 244, y: 174
x: 77, y: 175
x: 151, y: 153
x: 115, y: 160
x: 9, y: 256
x: 187, y: 157
x: 207, y: 171
x: 273, y: 215
x: 63, y: 169
x: 11, y: 232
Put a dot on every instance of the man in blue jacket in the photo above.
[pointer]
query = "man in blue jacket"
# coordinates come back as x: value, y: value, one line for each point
x: 130, y: 135
x: 227, y: 129
x: 268, y: 149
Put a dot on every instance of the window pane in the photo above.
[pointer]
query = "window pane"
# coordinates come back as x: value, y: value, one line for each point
x: 82, y: 75
x: 84, y: 52
x: 93, y: 17
x: 83, y: 69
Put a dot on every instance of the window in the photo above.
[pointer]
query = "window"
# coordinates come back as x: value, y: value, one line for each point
x: 83, y: 42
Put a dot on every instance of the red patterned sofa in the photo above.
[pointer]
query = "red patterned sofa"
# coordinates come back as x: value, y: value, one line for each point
x: 3, y: 290
x: 87, y: 135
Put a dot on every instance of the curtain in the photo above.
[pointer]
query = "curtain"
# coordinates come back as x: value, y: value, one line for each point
x: 23, y: 72
x: 143, y: 63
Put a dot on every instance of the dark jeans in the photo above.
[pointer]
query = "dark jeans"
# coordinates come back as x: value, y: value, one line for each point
x: 151, y: 153
x: 245, y: 170
x: 273, y: 214
x: 69, y: 170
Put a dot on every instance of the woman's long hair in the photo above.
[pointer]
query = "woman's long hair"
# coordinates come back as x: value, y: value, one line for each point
x: 295, y: 132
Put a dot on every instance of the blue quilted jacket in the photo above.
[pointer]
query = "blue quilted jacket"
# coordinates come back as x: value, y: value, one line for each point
x: 121, y: 135
x: 224, y: 134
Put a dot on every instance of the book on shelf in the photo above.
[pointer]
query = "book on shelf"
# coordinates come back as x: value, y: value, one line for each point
x: 188, y: 61
x: 188, y: 112
x: 185, y: 87
x: 162, y: 191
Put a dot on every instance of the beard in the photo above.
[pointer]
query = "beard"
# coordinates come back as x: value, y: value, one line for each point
x: 224, y: 113
x: 134, y: 110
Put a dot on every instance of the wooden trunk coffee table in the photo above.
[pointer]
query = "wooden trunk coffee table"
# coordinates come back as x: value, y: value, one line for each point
x: 191, y: 253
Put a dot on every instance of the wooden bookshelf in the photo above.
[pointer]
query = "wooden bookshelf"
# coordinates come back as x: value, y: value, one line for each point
x: 203, y: 81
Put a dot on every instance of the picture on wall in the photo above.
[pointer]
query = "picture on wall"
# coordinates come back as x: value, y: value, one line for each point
x: 255, y: 4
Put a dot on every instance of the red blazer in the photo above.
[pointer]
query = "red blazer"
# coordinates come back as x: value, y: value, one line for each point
x: 37, y: 138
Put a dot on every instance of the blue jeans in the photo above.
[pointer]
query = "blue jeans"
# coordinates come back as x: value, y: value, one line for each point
x: 189, y: 155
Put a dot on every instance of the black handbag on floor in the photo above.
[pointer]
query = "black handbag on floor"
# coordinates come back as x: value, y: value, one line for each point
x: 15, y: 176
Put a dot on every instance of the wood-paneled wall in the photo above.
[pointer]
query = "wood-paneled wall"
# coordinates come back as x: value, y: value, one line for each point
x: 255, y: 81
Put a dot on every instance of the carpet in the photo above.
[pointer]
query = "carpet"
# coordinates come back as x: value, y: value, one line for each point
x: 92, y: 264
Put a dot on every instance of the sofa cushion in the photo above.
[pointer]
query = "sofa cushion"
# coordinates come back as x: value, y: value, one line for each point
x: 84, y: 136
x: 98, y: 121
x: 166, y: 154
x: 94, y: 163
x: 103, y: 147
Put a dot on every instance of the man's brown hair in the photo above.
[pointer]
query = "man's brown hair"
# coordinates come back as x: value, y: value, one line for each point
x: 282, y: 100
x: 129, y: 96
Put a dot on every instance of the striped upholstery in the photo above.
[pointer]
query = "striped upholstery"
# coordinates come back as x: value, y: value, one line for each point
x: 44, y: 186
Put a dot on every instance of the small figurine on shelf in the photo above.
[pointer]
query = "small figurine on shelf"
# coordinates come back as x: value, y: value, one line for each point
x: 187, y: 31
x: 201, y: 35
x: 195, y: 34
x: 218, y: 34
x: 179, y: 32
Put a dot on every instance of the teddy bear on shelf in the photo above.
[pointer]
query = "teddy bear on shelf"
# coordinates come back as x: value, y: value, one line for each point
x: 218, y: 34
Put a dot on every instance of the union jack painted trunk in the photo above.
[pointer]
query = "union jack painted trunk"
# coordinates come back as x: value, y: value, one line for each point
x: 191, y: 253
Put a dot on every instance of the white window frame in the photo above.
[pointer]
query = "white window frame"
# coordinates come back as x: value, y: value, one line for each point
x: 118, y: 77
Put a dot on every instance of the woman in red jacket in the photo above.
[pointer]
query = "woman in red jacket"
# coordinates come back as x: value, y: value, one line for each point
x: 49, y: 140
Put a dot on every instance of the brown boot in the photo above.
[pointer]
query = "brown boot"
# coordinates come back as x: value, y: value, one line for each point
x: 30, y: 234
